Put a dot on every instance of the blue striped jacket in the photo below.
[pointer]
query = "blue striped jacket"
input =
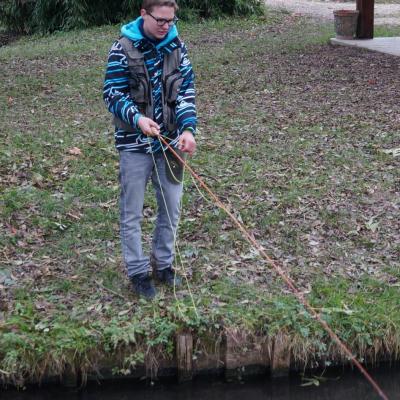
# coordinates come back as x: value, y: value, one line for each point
x: 117, y: 96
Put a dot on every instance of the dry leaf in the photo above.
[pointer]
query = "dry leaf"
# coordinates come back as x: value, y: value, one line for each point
x: 76, y: 151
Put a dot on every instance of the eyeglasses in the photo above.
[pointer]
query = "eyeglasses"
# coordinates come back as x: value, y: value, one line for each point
x: 162, y: 21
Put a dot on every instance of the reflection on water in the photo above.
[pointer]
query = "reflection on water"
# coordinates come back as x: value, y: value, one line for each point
x: 339, y: 386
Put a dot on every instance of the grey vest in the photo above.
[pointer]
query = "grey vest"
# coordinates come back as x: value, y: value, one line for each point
x: 140, y: 87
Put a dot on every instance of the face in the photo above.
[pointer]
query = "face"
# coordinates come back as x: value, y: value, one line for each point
x: 150, y: 25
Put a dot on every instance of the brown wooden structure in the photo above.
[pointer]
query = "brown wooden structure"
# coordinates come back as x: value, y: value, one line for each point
x: 365, y: 27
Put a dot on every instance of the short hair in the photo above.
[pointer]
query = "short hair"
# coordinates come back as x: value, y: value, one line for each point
x: 148, y: 5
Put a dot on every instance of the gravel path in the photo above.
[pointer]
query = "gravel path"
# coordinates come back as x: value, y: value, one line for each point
x: 385, y: 14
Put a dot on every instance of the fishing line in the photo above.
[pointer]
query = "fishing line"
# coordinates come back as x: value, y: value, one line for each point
x: 290, y: 283
x: 177, y: 249
x: 174, y: 232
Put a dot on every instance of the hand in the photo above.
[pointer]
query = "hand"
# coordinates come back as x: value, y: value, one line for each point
x: 187, y: 143
x: 148, y: 126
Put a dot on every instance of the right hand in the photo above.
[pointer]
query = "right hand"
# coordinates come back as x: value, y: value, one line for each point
x: 148, y: 126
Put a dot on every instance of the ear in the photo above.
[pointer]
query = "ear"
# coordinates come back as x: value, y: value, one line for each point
x: 142, y: 12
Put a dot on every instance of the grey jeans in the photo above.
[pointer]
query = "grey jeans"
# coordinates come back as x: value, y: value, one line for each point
x: 135, y: 171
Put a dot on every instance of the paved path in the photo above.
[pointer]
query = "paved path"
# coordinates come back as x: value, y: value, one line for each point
x: 385, y: 14
x: 388, y: 45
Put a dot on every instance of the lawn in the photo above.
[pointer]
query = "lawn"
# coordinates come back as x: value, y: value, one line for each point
x: 300, y: 139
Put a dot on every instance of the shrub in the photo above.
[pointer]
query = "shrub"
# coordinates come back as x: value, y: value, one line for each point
x: 16, y: 15
x: 219, y: 8
x: 44, y: 16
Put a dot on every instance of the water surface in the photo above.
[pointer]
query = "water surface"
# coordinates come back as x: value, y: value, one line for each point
x: 339, y: 385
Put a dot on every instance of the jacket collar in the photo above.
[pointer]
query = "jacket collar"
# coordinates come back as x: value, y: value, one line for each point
x: 132, y: 31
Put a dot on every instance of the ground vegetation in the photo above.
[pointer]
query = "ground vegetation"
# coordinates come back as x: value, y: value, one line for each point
x: 299, y: 138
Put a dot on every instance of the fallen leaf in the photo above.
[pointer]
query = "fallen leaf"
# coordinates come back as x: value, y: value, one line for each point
x: 76, y: 151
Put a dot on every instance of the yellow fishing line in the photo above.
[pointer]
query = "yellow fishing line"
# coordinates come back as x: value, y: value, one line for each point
x: 176, y: 247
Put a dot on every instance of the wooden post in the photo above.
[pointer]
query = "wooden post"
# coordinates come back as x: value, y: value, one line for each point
x: 365, y: 26
x: 232, y: 360
x: 280, y: 360
x: 184, y: 356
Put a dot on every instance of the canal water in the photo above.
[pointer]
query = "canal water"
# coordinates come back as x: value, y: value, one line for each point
x: 339, y: 385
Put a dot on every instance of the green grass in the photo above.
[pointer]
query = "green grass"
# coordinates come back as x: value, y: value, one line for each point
x: 382, y: 30
x: 284, y: 140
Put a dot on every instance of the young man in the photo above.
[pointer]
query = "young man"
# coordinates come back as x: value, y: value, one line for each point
x: 149, y: 89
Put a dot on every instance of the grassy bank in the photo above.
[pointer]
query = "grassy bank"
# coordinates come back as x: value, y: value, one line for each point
x: 298, y: 137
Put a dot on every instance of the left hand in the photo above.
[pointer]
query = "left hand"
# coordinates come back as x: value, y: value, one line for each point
x: 187, y: 143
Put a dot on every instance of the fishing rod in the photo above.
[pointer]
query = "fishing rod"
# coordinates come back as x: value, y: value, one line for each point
x: 290, y: 283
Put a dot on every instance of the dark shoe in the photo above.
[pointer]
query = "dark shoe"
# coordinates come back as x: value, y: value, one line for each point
x: 169, y: 277
x: 143, y: 285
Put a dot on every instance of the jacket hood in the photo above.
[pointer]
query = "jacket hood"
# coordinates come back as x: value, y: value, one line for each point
x: 132, y: 31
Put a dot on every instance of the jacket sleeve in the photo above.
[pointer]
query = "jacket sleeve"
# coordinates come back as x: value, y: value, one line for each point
x: 185, y: 104
x: 116, y: 87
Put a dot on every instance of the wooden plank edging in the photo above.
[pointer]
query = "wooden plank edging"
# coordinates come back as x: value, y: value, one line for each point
x: 184, y: 356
